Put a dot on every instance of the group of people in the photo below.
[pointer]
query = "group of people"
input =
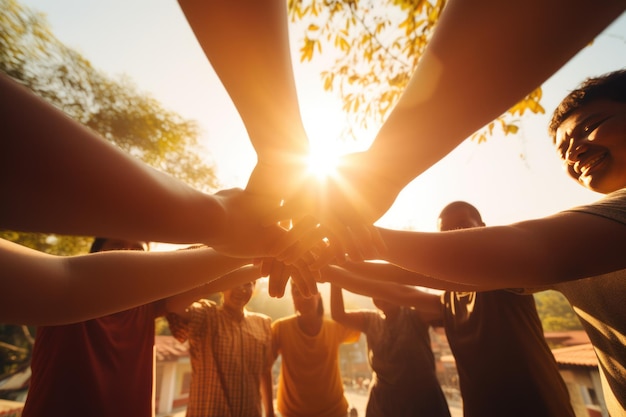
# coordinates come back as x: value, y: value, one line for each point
x: 105, y: 366
x: 504, y: 364
x: 89, y: 187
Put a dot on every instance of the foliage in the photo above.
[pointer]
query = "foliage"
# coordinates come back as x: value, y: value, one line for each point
x: 162, y: 327
x: 16, y: 343
x: 122, y: 115
x: 555, y: 312
x: 52, y: 244
x: 378, y: 44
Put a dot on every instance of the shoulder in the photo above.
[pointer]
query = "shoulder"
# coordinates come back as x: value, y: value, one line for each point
x: 611, y: 206
x: 283, y: 321
x: 345, y: 332
x: 258, y: 318
x: 253, y: 315
x: 202, y: 309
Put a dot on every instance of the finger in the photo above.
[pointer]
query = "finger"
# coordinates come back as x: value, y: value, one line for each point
x: 306, y: 244
x: 304, y: 229
x: 279, y: 276
x: 325, y: 258
x: 266, y: 266
x: 335, y: 233
x: 305, y: 278
x: 299, y: 280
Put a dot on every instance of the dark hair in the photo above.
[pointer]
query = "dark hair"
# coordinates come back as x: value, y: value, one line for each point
x: 611, y: 86
x: 320, y: 305
x: 456, y: 205
x: 97, y: 244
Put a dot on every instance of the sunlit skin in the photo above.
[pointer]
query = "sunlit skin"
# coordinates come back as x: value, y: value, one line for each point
x: 591, y: 144
x: 347, y: 233
x: 329, y: 238
x: 464, y: 60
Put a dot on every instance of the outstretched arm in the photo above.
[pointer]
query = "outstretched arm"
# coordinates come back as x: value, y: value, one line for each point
x: 535, y: 253
x: 267, y: 392
x: 178, y: 304
x: 41, y: 289
x: 387, y: 272
x: 477, y: 65
x: 352, y: 319
x: 79, y: 184
x: 484, y: 56
x: 369, y: 283
x: 247, y: 43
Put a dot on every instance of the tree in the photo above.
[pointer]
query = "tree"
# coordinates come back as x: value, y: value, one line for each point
x: 126, y: 117
x: 114, y: 108
x: 555, y: 312
x: 379, y: 43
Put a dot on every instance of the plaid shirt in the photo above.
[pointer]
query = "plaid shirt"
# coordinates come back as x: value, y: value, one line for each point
x: 228, y: 358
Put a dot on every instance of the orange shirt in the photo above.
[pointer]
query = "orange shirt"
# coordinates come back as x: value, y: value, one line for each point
x: 310, y: 382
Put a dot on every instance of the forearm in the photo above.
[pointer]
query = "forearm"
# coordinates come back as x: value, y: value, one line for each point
x: 476, y: 66
x: 353, y: 319
x: 267, y: 393
x: 388, y: 272
x: 469, y: 257
x: 381, y: 287
x: 179, y: 303
x: 247, y: 43
x: 533, y: 253
x: 79, y: 184
x: 42, y: 289
x: 337, y: 308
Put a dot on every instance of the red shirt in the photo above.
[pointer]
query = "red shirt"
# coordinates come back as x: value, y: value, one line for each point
x: 101, y: 367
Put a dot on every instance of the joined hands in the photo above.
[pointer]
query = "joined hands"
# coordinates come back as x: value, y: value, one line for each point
x: 313, y: 222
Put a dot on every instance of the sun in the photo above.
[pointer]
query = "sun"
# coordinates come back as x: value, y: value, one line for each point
x: 323, y: 161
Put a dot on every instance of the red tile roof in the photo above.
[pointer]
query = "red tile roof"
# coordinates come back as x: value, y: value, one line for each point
x: 567, y: 338
x: 579, y: 355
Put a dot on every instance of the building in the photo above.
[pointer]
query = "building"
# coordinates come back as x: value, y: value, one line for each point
x: 172, y: 375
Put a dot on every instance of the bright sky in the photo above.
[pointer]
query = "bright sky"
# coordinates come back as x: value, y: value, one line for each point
x: 507, y: 179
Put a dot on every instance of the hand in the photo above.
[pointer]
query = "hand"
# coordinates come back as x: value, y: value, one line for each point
x: 338, y: 210
x: 278, y: 179
x: 357, y: 243
x: 242, y: 234
x: 279, y: 273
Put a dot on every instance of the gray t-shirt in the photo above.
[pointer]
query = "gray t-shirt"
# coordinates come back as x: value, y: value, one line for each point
x: 600, y: 305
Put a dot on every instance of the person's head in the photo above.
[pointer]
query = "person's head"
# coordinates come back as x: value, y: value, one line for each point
x: 237, y: 297
x: 103, y: 244
x: 459, y: 215
x: 306, y: 306
x: 588, y: 129
x: 385, y: 306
